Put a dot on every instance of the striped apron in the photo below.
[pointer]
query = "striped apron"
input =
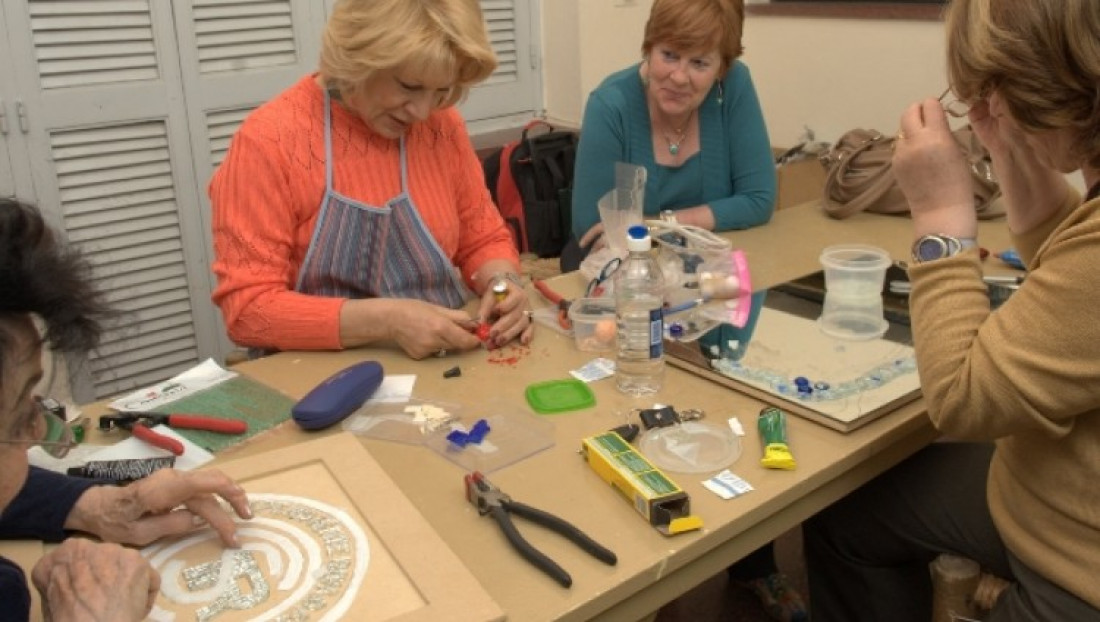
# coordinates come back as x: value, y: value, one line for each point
x: 363, y: 251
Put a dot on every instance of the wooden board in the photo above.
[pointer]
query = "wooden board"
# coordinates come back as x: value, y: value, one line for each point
x: 319, y: 488
x: 786, y: 343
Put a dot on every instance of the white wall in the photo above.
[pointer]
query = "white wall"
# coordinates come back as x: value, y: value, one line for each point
x: 828, y: 74
x: 832, y: 75
x: 583, y: 41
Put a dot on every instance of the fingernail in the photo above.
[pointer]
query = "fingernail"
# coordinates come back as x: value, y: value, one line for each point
x: 197, y: 520
x: 248, y: 510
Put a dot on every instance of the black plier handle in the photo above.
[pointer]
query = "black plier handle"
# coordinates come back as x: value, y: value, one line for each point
x: 490, y: 500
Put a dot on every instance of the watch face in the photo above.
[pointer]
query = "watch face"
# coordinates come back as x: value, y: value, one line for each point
x: 930, y: 247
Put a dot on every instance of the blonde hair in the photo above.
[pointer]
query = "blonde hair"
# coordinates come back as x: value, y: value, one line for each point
x: 363, y: 37
x: 697, y: 24
x: 1042, y: 58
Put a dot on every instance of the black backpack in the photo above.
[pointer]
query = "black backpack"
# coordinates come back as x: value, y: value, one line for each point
x: 531, y: 182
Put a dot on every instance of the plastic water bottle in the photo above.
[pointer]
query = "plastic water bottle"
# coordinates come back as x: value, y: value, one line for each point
x: 639, y: 299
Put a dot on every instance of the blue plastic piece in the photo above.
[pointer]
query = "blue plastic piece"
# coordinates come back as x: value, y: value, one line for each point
x: 478, y: 432
x: 1012, y: 258
x: 338, y: 396
x: 458, y: 438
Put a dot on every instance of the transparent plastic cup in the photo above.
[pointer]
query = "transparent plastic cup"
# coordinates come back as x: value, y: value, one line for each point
x: 622, y: 207
x: 854, y: 276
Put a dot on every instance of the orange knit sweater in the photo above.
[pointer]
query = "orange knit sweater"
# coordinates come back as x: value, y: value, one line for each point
x: 267, y: 193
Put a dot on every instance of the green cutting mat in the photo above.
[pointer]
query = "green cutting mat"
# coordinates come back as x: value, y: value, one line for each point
x: 237, y: 398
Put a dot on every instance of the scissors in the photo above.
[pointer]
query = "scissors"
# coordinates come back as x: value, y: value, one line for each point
x: 596, y: 287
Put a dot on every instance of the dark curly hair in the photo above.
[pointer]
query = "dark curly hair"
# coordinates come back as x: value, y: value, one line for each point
x: 41, y: 276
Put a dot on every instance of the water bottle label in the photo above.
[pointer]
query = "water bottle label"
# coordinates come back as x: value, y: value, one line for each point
x: 656, y: 333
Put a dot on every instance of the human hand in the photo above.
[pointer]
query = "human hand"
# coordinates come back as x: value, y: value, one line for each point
x: 593, y: 239
x: 423, y: 329
x: 1031, y: 183
x: 513, y: 317
x: 86, y: 580
x: 150, y: 508
x: 933, y: 173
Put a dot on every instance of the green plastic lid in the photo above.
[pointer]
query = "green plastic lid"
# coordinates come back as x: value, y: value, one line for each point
x: 556, y: 396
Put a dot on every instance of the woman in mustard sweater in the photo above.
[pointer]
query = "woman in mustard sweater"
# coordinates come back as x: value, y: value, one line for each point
x: 351, y: 209
x: 1019, y: 387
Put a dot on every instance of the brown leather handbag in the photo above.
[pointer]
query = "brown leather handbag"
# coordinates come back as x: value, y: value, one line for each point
x: 859, y: 175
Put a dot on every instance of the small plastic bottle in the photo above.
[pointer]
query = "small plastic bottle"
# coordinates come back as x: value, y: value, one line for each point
x: 639, y: 301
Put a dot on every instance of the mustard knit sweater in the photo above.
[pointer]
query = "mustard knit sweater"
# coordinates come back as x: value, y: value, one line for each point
x: 1028, y: 377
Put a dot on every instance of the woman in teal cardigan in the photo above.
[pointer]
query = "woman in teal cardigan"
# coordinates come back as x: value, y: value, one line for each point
x: 689, y: 114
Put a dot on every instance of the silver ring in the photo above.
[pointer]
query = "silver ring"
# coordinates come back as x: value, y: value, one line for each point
x: 442, y: 352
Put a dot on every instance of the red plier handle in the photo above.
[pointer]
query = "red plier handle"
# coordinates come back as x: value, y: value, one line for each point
x: 212, y: 424
x: 145, y: 433
x: 559, y: 301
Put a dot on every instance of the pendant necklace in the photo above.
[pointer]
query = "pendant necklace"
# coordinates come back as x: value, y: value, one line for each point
x: 681, y: 134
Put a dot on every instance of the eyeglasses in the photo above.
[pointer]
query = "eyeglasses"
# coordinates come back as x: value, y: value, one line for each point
x: 596, y: 286
x: 952, y: 105
x: 46, y: 430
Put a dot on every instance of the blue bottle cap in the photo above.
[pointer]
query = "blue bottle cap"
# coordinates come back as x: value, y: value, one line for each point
x: 638, y: 232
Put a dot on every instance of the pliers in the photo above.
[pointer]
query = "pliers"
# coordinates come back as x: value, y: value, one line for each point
x: 140, y: 423
x: 490, y: 500
x: 557, y: 299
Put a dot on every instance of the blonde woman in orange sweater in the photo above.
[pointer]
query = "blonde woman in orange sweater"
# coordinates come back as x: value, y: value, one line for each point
x: 351, y: 209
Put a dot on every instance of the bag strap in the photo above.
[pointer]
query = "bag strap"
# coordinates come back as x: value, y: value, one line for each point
x: 532, y: 124
x: 874, y: 190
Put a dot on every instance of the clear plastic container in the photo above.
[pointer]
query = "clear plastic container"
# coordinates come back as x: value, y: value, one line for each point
x: 593, y: 324
x: 691, y: 447
x: 854, y: 276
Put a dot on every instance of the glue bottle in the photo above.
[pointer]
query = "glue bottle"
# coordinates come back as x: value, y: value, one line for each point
x: 639, y: 300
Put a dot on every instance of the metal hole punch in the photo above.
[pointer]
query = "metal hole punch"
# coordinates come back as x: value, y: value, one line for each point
x: 488, y: 499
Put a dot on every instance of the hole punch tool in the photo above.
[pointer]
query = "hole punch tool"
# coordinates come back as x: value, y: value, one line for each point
x: 490, y: 500
x: 140, y: 425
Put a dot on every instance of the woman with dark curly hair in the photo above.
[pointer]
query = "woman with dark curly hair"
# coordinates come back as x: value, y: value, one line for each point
x: 44, y: 283
x: 1019, y: 386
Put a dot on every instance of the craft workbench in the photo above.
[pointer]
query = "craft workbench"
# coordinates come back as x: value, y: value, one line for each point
x: 652, y: 568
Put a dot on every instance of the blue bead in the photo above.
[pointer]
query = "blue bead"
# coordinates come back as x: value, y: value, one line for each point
x: 802, y: 381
